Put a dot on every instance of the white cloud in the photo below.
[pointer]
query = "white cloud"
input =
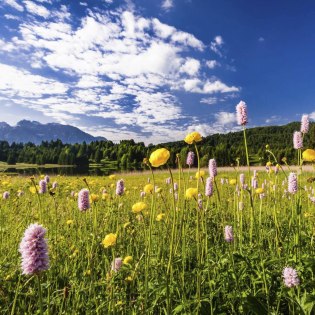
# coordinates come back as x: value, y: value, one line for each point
x: 36, y: 9
x: 14, y: 4
x: 11, y: 17
x: 225, y: 118
x: 209, y: 100
x: 211, y: 64
x: 216, y: 45
x: 17, y: 83
x: 191, y: 66
x: 261, y: 39
x: 167, y: 4
x: 117, y: 65
x: 208, y: 87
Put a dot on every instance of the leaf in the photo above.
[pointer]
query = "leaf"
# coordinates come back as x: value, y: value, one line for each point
x: 255, y: 306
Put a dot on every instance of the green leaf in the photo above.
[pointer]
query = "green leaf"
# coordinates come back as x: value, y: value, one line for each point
x: 255, y: 306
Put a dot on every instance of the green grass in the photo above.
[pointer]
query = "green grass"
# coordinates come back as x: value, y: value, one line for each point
x: 181, y: 264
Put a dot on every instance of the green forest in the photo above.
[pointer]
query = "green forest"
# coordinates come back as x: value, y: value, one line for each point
x: 128, y: 155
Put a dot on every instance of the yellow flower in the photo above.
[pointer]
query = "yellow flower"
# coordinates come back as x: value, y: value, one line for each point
x: 87, y: 272
x: 109, y: 240
x: 138, y: 207
x: 148, y: 188
x: 268, y: 163
x: 232, y: 181
x: 32, y: 190
x: 200, y: 174
x: 308, y: 155
x: 128, y: 260
x: 160, y: 217
x: 70, y: 222
x: 128, y: 279
x: 159, y: 157
x: 193, y: 137
x: 105, y: 196
x: 112, y: 176
x: 259, y: 190
x: 112, y: 185
x: 191, y: 192
x: 94, y: 197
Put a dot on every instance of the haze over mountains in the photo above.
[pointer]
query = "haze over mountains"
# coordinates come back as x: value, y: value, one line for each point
x: 35, y: 132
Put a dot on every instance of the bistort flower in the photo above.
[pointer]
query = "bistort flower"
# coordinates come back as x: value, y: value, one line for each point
x: 42, y: 186
x: 213, y: 168
x: 190, y: 158
x: 241, y: 113
x: 297, y: 140
x: 209, y: 187
x: 290, y: 277
x: 34, y: 250
x: 305, y: 123
x: 228, y: 233
x: 292, y: 183
x: 120, y: 187
x: 83, y: 200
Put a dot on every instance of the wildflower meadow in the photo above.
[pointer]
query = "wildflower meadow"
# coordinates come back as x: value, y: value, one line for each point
x: 165, y: 241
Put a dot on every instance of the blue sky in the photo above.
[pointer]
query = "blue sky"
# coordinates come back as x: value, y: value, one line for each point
x: 153, y: 70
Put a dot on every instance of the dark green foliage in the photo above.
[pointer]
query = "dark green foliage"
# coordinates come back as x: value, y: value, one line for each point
x: 128, y: 155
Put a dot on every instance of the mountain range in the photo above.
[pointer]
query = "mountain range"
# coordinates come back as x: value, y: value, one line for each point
x: 35, y: 132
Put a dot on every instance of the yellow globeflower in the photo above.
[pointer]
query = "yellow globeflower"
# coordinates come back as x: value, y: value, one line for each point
x: 94, y: 197
x: 200, y: 174
x: 148, y: 189
x: 105, y: 196
x: 268, y: 163
x: 112, y: 176
x: 109, y: 240
x: 232, y: 181
x: 191, y: 192
x: 160, y: 217
x: 193, y: 137
x: 259, y: 190
x: 32, y: 190
x: 138, y: 207
x: 70, y: 222
x: 127, y: 260
x: 308, y: 155
x: 159, y: 157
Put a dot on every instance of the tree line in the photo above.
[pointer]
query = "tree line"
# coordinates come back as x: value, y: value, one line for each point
x: 227, y: 149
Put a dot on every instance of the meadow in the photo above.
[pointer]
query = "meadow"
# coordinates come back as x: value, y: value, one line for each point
x: 184, y: 241
x: 175, y: 256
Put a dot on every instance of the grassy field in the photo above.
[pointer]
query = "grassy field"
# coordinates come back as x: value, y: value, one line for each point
x: 182, y: 262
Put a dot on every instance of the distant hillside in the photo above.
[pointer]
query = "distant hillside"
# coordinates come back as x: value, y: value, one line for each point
x: 35, y: 132
x: 227, y: 148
